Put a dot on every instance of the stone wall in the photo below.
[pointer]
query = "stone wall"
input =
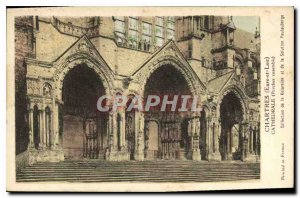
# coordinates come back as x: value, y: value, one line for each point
x: 50, y: 43
x: 24, y: 46
x: 44, y: 43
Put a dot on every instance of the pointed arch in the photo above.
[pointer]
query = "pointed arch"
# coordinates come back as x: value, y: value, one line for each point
x: 239, y: 93
x: 82, y: 52
x: 61, y: 73
x: 178, y: 66
x: 168, y: 54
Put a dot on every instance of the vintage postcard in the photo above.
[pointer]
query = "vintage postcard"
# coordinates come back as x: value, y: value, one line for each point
x: 150, y: 98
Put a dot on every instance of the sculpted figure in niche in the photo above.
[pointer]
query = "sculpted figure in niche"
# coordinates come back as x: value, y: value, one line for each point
x: 47, y: 90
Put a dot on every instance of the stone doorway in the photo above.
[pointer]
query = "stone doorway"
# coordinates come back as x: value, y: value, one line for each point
x: 231, y: 140
x: 164, y: 129
x: 84, y: 128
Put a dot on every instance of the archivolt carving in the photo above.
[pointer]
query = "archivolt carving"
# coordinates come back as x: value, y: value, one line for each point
x: 240, y: 94
x: 83, y: 59
x: 82, y: 52
x: 148, y: 69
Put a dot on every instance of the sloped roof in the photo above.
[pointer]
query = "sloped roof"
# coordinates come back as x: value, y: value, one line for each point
x: 215, y: 85
x: 244, y: 39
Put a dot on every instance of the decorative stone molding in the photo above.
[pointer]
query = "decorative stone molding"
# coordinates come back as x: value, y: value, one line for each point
x: 240, y: 94
x: 73, y: 30
x: 82, y: 52
x: 105, y: 77
x: 147, y: 71
x: 33, y: 86
x: 169, y: 55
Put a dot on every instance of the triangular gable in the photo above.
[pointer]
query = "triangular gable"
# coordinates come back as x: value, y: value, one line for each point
x: 151, y: 57
x: 218, y: 84
x: 234, y: 80
x: 169, y: 49
x: 84, y: 46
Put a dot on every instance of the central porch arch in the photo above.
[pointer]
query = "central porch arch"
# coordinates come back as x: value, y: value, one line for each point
x: 166, y: 133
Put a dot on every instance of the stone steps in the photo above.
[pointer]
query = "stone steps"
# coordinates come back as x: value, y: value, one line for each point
x: 147, y: 171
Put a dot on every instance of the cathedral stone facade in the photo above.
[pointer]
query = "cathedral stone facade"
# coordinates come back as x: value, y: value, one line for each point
x: 63, y: 65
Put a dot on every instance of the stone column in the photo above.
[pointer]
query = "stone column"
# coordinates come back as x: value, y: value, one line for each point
x: 251, y: 140
x: 41, y: 129
x: 113, y: 153
x: 108, y: 138
x: 31, y: 145
x: 114, y: 131
x: 123, y: 154
x: 214, y: 136
x: 192, y: 125
x: 208, y: 138
x: 110, y: 153
x: 112, y: 128
x: 139, y: 148
x: 214, y: 154
x: 241, y: 143
x: 258, y: 142
x: 50, y: 129
x: 107, y: 128
x: 60, y: 120
x: 45, y: 130
x: 255, y: 140
x: 146, y: 140
x: 246, y: 155
x: 120, y: 134
x: 246, y: 131
x: 196, y: 155
x: 54, y: 114
x: 190, y: 137
x: 253, y: 155
x: 30, y: 122
x: 218, y: 136
x: 123, y: 131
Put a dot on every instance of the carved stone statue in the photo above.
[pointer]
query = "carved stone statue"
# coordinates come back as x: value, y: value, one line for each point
x: 47, y: 90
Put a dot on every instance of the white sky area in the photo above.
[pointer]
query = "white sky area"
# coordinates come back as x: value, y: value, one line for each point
x: 247, y: 23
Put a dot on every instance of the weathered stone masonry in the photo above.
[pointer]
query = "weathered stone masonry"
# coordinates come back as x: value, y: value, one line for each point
x: 199, y: 55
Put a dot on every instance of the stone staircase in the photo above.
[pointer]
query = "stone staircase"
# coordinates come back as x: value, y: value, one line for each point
x: 147, y: 171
